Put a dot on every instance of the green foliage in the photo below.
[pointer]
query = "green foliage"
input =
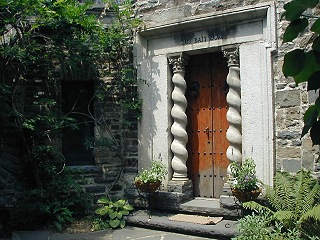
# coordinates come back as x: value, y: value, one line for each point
x: 293, y: 201
x: 156, y: 173
x: 244, y: 175
x: 303, y: 63
x: 111, y: 213
x: 259, y: 227
x: 58, y: 201
x: 43, y: 43
x: 253, y: 227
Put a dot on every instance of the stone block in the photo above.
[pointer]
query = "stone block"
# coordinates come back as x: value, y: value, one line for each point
x: 288, y: 98
x: 131, y: 170
x: 169, y: 200
x: 308, y: 146
x: 89, y: 169
x: 296, y: 143
x: 291, y: 165
x: 308, y: 160
x: 102, y: 152
x: 226, y: 190
x: 282, y: 143
x: 169, y: 14
x: 230, y: 202
x: 312, y: 96
x: 180, y: 187
x: 286, y: 134
x: 95, y: 189
x: 289, y: 152
x: 293, y: 114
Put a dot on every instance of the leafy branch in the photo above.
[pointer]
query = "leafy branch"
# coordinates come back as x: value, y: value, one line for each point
x: 303, y: 64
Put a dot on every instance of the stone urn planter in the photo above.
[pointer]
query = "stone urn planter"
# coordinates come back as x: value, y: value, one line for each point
x: 247, y: 195
x: 148, y: 181
x: 244, y: 183
x: 147, y: 187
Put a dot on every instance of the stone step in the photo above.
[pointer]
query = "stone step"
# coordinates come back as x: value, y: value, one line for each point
x: 226, y: 207
x: 212, y: 207
x: 226, y: 229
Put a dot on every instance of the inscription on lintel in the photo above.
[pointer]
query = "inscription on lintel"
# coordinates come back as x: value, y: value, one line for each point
x: 203, y: 36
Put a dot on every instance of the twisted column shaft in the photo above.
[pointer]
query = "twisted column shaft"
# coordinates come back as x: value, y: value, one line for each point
x: 234, y: 132
x: 178, y: 113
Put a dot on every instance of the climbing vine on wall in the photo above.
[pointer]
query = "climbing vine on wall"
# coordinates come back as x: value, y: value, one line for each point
x: 42, y: 43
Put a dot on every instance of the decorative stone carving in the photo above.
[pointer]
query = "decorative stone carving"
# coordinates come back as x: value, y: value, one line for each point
x: 234, y: 134
x: 178, y: 128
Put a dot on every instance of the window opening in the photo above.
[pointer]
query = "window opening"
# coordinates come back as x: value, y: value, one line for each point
x: 77, y: 144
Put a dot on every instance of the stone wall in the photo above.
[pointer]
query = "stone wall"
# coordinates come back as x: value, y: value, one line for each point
x: 158, y: 12
x: 290, y: 101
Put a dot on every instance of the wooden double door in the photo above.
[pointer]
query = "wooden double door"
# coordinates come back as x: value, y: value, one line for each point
x: 207, y: 124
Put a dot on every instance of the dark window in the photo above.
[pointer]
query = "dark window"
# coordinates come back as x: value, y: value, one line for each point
x: 77, y: 145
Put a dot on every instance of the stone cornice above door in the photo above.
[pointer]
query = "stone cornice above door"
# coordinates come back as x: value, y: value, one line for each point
x: 264, y: 11
x: 199, y: 33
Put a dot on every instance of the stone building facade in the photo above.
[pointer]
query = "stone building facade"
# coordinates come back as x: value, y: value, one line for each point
x: 265, y: 108
x: 242, y: 38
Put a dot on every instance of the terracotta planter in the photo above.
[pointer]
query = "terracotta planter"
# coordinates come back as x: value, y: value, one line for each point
x: 148, y: 187
x: 246, y: 196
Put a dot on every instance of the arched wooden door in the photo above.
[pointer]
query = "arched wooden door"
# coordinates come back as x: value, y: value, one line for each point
x: 207, y: 124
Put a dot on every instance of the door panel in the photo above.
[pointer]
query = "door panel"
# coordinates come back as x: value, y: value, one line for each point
x: 207, y: 123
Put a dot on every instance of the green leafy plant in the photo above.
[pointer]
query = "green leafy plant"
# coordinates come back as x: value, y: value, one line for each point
x: 253, y: 227
x: 58, y: 202
x: 111, y: 213
x: 303, y: 63
x: 258, y: 226
x: 293, y: 201
x: 244, y: 175
x: 156, y: 173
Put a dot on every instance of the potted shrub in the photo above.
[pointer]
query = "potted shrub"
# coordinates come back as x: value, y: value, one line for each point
x: 150, y: 180
x: 244, y: 182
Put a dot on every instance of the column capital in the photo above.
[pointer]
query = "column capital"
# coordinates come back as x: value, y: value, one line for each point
x: 178, y: 61
x: 232, y: 55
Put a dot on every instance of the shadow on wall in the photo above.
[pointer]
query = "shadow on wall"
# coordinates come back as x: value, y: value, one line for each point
x: 150, y: 93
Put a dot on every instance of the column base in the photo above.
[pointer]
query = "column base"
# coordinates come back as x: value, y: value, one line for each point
x: 182, y: 186
x: 179, y: 179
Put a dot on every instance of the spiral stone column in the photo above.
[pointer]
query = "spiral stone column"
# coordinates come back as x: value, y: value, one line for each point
x: 178, y: 113
x: 234, y: 133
